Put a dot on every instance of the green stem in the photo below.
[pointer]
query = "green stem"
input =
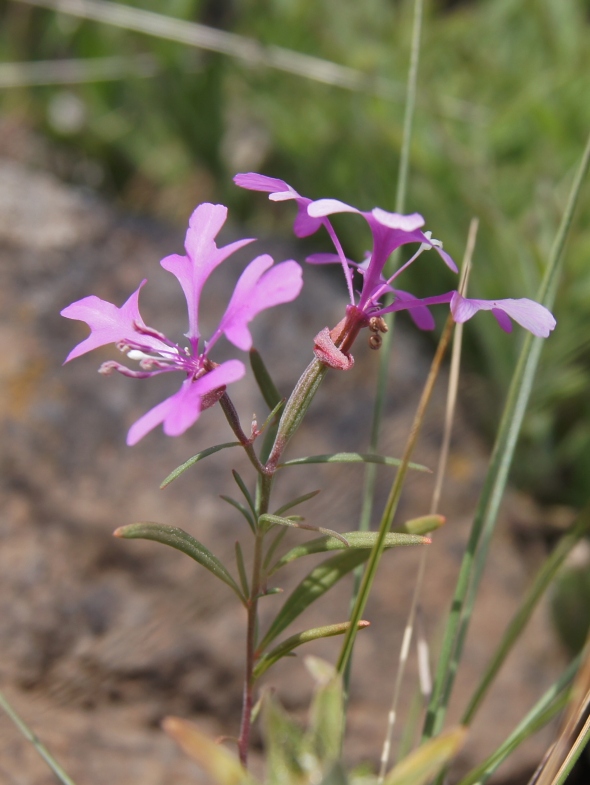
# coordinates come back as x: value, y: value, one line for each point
x: 233, y: 419
x: 30, y: 736
x: 252, y: 625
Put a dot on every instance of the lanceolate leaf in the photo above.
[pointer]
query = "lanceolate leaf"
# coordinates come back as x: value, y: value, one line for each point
x: 295, y: 502
x: 317, y: 583
x: 223, y: 767
x: 355, y: 540
x: 277, y: 520
x: 351, y: 457
x: 266, y: 385
x: 242, y: 508
x: 191, y: 461
x: 182, y: 541
x: 422, y: 764
x: 287, y: 646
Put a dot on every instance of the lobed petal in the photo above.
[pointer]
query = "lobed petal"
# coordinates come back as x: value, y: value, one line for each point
x: 419, y: 313
x: 407, y: 223
x: 322, y: 207
x: 109, y: 324
x: 181, y: 410
x: 259, y: 287
x: 253, y: 181
x: 533, y: 316
x: 202, y: 257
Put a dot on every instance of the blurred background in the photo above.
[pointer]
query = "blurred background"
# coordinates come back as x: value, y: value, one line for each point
x: 502, y: 114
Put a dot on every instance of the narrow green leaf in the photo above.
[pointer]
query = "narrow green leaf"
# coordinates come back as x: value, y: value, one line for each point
x: 273, y: 547
x: 536, y: 719
x: 284, y: 745
x: 422, y: 764
x: 541, y: 582
x: 287, y: 646
x: 265, y: 384
x: 242, y: 486
x: 326, y: 722
x: 295, y: 502
x: 351, y: 457
x: 182, y: 541
x: 295, y: 522
x: 242, y: 569
x: 241, y: 508
x: 355, y: 540
x: 223, y: 767
x: 198, y: 457
x: 317, y: 583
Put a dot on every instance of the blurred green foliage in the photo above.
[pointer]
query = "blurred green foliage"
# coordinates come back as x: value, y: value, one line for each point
x: 501, y: 121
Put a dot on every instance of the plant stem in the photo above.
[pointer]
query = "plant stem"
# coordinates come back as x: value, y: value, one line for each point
x: 252, y: 606
x: 30, y: 736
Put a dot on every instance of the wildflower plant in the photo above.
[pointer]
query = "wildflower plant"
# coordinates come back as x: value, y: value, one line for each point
x: 313, y: 755
x: 262, y: 285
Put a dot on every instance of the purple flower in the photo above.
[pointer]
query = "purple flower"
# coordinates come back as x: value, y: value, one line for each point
x: 390, y: 231
x: 531, y: 315
x: 260, y: 286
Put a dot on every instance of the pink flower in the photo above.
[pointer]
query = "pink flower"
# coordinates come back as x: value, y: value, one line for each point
x: 260, y: 286
x: 390, y: 231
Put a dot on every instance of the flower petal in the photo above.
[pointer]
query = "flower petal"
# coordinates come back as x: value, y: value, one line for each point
x: 181, y: 410
x: 253, y: 181
x: 407, y: 223
x: 322, y: 207
x: 255, y: 291
x: 109, y: 324
x: 203, y: 256
x: 418, y: 312
x: 533, y: 316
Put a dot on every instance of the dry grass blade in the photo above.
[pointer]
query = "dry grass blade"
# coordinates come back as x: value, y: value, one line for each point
x: 574, y: 728
x: 440, y: 473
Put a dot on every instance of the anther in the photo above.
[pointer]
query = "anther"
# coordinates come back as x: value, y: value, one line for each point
x: 375, y: 340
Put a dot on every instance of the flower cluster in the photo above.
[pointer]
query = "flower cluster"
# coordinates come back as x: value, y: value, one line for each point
x: 390, y: 231
x: 260, y: 286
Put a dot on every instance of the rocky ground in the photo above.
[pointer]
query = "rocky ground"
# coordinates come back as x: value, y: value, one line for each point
x: 101, y: 638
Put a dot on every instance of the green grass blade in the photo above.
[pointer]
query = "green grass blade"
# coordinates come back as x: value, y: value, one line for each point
x: 181, y: 541
x: 525, y: 611
x: 352, y: 457
x: 30, y: 736
x: 198, y: 457
x: 553, y: 701
x: 493, y: 490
